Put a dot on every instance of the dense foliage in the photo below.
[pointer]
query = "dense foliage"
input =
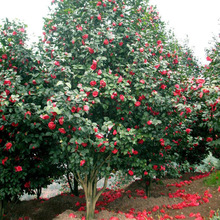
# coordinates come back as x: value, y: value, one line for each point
x: 25, y: 159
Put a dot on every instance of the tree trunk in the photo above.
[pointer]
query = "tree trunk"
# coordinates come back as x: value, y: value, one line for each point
x: 90, y: 193
x: 2, y: 207
x: 70, y: 184
x: 148, y: 182
x: 76, y: 187
x: 74, y: 190
x: 89, y: 184
x: 90, y: 208
x: 39, y: 189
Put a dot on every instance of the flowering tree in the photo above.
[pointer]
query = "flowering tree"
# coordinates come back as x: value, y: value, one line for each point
x: 206, y: 98
x: 200, y: 110
x: 114, y: 77
x: 24, y: 146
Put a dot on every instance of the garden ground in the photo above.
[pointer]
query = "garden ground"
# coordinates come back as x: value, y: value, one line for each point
x: 185, y: 198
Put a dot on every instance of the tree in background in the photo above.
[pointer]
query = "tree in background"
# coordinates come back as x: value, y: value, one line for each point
x: 24, y: 145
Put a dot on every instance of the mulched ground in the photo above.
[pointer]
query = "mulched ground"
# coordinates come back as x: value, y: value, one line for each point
x: 185, y: 198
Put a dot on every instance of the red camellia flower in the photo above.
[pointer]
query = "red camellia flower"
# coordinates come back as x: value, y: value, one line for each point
x: 18, y: 169
x: 57, y: 63
x: 62, y: 130
x: 27, y: 184
x: 137, y: 103
x: 73, y: 109
x: 53, y: 76
x: 95, y: 94
x: 61, y: 120
x: 72, y: 215
x: 82, y: 162
x: 21, y: 30
x: 106, y: 42
x: 51, y: 125
x: 205, y: 90
x: 45, y: 116
x: 120, y: 79
x: 155, y: 167
x: 208, y: 59
x: 102, y: 83
x: 54, y: 28
x: 99, y: 136
x: 102, y: 149
x: 27, y: 113
x: 188, y: 130
x: 135, y: 152
x: 94, y: 65
x: 85, y: 108
x: 114, y: 218
x: 82, y: 208
x: 8, y: 146
x: 149, y: 122
x: 130, y: 172
x: 7, y: 82
x: 121, y: 43
x: 114, y: 132
x: 122, y: 98
x: 159, y: 42
x: 209, y: 139
x: 85, y: 36
x: 90, y: 50
x: 99, y: 72
x: 93, y: 83
x: 3, y: 117
x: 99, y: 17
x: 115, y: 151
x: 155, y: 208
x: 163, y: 86
x: 4, y: 160
x: 180, y: 216
x: 157, y: 66
x: 200, y: 81
x: 14, y: 125
x: 188, y: 110
x: 141, y: 49
x: 175, y: 61
x: 4, y: 56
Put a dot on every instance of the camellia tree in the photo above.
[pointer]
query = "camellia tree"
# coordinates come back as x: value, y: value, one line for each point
x: 206, y: 98
x: 115, y: 80
x: 24, y: 147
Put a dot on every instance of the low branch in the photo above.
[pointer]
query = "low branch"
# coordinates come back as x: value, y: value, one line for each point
x: 106, y: 159
x: 102, y: 190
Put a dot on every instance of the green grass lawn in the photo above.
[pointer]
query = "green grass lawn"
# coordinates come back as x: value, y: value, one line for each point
x: 213, y: 179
